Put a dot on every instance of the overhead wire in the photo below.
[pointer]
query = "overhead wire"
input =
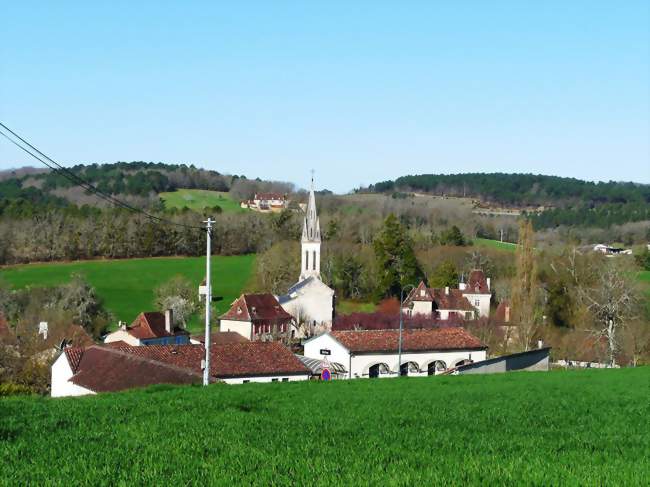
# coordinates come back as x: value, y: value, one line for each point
x: 78, y: 180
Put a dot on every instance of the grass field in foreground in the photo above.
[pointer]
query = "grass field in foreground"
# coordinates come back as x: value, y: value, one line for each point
x: 520, y: 428
x: 495, y: 244
x: 127, y: 286
x: 197, y: 199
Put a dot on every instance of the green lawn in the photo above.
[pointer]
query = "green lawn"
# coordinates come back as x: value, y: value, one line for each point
x: 198, y: 199
x: 522, y: 428
x: 495, y: 244
x: 127, y: 286
x: 346, y: 306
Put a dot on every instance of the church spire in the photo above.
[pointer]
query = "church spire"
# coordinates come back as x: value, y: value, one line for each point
x: 310, y: 266
x: 311, y: 225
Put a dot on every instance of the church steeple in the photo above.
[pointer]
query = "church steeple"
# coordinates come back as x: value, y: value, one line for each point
x: 311, y: 239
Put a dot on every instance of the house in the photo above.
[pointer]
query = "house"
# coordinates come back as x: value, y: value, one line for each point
x: 267, y: 202
x: 375, y: 353
x: 95, y: 369
x: 310, y: 301
x: 258, y: 317
x: 219, y: 338
x: 81, y: 371
x: 150, y: 328
x: 611, y: 251
x: 477, y: 291
x: 441, y: 304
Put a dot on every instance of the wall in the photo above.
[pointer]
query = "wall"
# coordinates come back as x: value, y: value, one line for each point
x: 244, y: 328
x: 61, y: 386
x: 291, y: 378
x: 484, y: 303
x: 314, y: 302
x: 121, y: 335
x: 533, y: 360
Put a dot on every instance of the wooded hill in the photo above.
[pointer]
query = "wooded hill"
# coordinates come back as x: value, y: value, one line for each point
x: 569, y: 201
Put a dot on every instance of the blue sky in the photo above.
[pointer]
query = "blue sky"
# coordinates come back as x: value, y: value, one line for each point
x: 359, y: 91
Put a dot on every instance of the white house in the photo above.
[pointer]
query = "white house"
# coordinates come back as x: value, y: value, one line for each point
x: 478, y: 292
x: 310, y: 301
x: 150, y: 328
x: 442, y: 304
x: 267, y: 202
x: 258, y: 317
x: 374, y: 353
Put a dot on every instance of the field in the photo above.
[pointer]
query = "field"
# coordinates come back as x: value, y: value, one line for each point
x: 495, y: 244
x: 198, y: 199
x: 525, y: 428
x: 127, y: 286
x: 346, y: 306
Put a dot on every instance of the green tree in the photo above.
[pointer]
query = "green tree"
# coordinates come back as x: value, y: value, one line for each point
x: 444, y: 275
x: 396, y: 259
x: 452, y: 236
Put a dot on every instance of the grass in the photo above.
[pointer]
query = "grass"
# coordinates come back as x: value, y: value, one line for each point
x: 346, y: 306
x: 198, y: 199
x: 127, y: 286
x: 495, y: 244
x: 521, y: 428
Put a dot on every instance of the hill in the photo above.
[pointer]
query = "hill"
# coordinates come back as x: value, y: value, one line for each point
x: 557, y: 428
x: 200, y: 199
x: 566, y: 201
x: 127, y: 286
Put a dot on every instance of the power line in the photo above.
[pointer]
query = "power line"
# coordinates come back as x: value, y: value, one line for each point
x: 78, y: 180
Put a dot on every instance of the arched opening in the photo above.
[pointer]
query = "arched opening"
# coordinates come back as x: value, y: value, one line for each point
x: 436, y: 367
x: 408, y: 368
x: 376, y: 370
x: 462, y: 362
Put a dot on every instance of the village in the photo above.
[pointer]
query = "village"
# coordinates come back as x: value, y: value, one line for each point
x: 291, y: 337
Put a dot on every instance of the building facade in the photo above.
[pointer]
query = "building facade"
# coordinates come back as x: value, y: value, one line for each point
x: 258, y: 317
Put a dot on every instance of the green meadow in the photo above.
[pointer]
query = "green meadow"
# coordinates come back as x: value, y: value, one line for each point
x: 127, y: 286
x: 495, y: 244
x: 198, y: 199
x: 522, y: 428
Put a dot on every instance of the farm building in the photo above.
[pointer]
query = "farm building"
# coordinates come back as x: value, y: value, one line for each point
x: 310, y: 301
x: 151, y: 328
x: 470, y: 300
x: 258, y: 317
x: 95, y: 369
x: 267, y: 202
x: 374, y: 353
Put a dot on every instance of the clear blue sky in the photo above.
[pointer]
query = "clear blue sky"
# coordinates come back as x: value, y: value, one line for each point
x: 360, y: 91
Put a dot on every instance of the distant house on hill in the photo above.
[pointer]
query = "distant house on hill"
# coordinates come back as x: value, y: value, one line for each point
x: 258, y: 317
x: 267, y: 202
x: 95, y: 369
x: 150, y: 328
x: 611, y: 251
x: 375, y: 353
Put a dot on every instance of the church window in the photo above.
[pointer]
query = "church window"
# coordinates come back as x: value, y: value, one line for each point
x: 306, y: 260
x: 313, y: 263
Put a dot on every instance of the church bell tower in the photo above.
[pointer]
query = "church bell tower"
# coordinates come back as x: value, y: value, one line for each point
x: 310, y: 242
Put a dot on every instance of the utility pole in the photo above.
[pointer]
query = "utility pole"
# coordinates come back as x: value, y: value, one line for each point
x: 208, y: 301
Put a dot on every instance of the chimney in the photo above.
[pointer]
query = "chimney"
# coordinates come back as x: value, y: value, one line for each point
x: 488, y: 283
x: 540, y: 343
x: 122, y: 325
x: 447, y: 290
x: 169, y: 318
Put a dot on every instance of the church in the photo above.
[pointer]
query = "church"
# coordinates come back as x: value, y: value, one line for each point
x: 310, y: 301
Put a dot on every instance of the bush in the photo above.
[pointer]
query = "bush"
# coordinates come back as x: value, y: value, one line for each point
x: 10, y: 389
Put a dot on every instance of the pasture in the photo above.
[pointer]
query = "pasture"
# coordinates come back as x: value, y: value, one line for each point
x: 495, y: 244
x: 523, y: 428
x: 127, y: 286
x: 198, y: 199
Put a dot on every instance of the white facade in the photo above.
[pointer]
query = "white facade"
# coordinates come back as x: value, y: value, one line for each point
x: 61, y: 375
x: 268, y: 378
x: 244, y: 328
x: 481, y: 302
x: 359, y: 364
x: 123, y: 336
x: 310, y: 260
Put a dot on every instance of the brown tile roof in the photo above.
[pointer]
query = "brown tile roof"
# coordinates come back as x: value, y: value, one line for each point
x: 103, y: 369
x: 270, y: 196
x: 73, y: 354
x: 452, y: 338
x: 151, y: 325
x: 477, y: 283
x: 257, y: 308
x: 232, y: 360
x: 443, y: 301
x: 222, y: 338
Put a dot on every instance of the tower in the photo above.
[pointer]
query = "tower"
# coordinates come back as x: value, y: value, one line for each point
x: 310, y: 242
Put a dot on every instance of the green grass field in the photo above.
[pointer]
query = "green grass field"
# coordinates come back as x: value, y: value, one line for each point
x: 127, y: 286
x: 495, y: 244
x: 346, y: 306
x: 197, y: 199
x: 521, y: 428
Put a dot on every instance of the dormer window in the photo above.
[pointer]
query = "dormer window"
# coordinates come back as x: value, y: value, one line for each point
x: 422, y: 292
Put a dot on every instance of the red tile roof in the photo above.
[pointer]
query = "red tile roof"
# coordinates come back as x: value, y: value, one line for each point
x: 151, y: 325
x: 257, y: 308
x: 454, y: 300
x: 103, y: 369
x: 452, y: 338
x: 232, y: 360
x: 73, y: 354
x: 477, y: 283
x: 270, y: 196
x: 222, y: 338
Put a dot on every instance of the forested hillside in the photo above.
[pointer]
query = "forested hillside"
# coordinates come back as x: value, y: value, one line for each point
x: 567, y: 201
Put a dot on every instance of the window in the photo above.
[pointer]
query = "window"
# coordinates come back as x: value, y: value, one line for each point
x: 245, y: 381
x: 477, y: 302
x: 274, y: 380
x: 285, y: 379
x: 313, y: 261
x: 306, y: 260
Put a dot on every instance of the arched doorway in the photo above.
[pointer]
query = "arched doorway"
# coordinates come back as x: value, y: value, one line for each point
x: 436, y: 367
x: 375, y: 370
x: 408, y: 368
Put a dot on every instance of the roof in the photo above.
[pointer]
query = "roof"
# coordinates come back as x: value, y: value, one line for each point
x: 452, y: 300
x: 104, y: 369
x: 257, y: 308
x: 503, y: 313
x: 231, y: 360
x: 450, y: 338
x: 300, y: 285
x: 151, y: 325
x: 270, y: 196
x: 477, y: 283
x: 316, y: 365
x: 221, y: 338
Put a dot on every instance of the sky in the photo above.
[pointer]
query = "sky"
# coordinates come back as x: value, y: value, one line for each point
x: 359, y: 91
